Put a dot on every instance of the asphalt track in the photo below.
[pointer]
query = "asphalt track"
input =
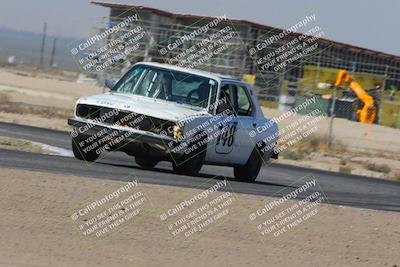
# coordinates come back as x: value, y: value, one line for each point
x: 273, y: 180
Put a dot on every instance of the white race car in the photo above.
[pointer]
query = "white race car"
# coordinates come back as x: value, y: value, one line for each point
x: 158, y: 112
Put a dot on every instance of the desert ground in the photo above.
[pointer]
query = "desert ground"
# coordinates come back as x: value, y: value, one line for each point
x: 37, y: 230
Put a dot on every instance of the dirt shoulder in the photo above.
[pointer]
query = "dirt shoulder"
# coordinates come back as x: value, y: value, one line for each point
x: 39, y: 100
x: 37, y: 230
x: 35, y: 121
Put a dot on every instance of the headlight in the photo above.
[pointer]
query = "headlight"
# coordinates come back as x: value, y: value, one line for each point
x: 82, y: 110
x: 177, y: 131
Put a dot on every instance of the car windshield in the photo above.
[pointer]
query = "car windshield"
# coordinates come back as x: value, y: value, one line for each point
x: 167, y: 85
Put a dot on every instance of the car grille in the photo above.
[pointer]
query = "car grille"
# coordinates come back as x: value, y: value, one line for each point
x: 116, y: 117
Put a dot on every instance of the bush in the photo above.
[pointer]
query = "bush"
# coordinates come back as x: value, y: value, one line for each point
x: 377, y: 167
x: 396, y: 176
x: 291, y: 154
x: 345, y: 169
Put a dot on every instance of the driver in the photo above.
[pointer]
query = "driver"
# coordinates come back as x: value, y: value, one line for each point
x: 203, y: 92
x: 166, y: 83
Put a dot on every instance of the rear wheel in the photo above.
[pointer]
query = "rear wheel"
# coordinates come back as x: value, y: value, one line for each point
x: 146, y: 163
x: 84, y: 152
x: 249, y: 171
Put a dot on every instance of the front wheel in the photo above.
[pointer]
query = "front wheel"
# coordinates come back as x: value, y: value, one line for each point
x: 146, y: 163
x: 249, y: 171
x: 191, y: 163
x: 190, y: 166
x: 84, y: 152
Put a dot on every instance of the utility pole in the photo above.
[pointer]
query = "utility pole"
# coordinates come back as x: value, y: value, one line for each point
x: 43, y: 42
x: 53, y: 52
x: 332, y: 116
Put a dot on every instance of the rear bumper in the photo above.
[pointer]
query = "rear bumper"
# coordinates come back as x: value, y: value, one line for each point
x: 129, y: 136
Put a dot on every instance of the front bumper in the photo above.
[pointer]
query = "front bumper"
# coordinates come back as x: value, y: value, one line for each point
x: 130, y: 136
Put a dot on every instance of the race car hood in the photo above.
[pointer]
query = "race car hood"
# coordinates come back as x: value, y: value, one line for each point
x: 156, y: 108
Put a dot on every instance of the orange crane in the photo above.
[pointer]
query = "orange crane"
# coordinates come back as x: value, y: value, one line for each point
x: 367, y: 113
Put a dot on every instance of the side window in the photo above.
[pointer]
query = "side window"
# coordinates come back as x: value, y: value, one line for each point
x: 225, y: 103
x: 244, y: 107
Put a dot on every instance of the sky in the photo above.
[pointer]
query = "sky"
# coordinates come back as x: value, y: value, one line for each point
x: 368, y: 24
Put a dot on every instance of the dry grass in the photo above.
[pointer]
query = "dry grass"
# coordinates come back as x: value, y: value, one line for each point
x: 291, y: 154
x: 396, y: 176
x: 19, y: 145
x: 13, y: 142
x: 377, y: 167
x: 313, y: 143
x: 345, y: 169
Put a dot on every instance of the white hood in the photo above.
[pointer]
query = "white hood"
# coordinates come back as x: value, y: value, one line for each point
x: 143, y: 105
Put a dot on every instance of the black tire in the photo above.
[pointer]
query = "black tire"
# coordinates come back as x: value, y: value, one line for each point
x: 146, y: 163
x: 79, y: 152
x: 191, y: 163
x: 249, y: 171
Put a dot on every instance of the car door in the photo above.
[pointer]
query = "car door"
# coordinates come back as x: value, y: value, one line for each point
x: 224, y: 148
x: 245, y: 111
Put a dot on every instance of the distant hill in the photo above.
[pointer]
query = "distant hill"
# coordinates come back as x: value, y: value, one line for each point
x: 25, y: 46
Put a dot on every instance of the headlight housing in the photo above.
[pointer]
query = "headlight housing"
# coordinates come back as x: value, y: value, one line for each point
x: 177, y: 132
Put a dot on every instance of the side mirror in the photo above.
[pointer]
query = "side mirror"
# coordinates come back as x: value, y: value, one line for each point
x: 110, y: 83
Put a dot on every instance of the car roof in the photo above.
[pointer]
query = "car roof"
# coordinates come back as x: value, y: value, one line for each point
x: 215, y: 76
